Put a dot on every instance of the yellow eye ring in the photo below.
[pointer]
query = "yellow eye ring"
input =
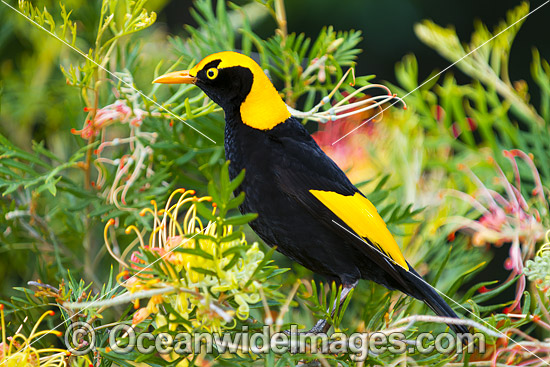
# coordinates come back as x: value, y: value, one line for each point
x: 212, y: 73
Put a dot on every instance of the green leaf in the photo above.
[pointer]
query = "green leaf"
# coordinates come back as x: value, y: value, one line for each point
x: 240, y: 219
x: 236, y: 235
x: 460, y: 279
x: 237, y: 181
x: 205, y: 212
x: 204, y: 271
x: 194, y: 251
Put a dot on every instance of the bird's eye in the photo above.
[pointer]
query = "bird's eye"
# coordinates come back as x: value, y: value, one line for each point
x: 212, y: 73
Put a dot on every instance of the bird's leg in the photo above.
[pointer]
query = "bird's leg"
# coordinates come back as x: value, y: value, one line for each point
x: 323, y: 326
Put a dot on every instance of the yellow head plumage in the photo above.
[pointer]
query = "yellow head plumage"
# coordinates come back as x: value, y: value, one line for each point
x: 263, y: 107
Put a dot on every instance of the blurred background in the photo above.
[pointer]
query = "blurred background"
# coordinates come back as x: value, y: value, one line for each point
x: 387, y: 28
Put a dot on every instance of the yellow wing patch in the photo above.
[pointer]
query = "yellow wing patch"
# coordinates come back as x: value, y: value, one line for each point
x: 263, y: 108
x: 363, y: 218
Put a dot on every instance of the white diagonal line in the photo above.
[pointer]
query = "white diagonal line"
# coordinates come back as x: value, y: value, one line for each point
x: 442, y: 71
x: 491, y: 327
x: 109, y: 72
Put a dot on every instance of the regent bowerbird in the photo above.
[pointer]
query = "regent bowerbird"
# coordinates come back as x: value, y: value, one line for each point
x: 306, y: 204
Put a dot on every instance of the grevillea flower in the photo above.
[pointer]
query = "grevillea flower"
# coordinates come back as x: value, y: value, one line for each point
x: 509, y: 218
x: 136, y: 162
x: 115, y: 112
x: 350, y: 105
x: 130, y: 166
x: 197, y: 266
x: 18, y: 350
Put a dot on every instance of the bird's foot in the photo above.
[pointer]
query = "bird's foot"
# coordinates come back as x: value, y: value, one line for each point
x: 321, y: 327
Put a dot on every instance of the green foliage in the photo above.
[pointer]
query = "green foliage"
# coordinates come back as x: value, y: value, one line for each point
x: 489, y: 111
x: 21, y: 169
x: 44, y: 19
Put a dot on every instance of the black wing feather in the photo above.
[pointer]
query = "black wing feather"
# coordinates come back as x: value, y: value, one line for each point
x: 304, y: 167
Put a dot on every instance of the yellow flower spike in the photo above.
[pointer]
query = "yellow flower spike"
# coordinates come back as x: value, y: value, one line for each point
x: 169, y: 208
x: 54, y: 360
x: 192, y: 219
x: 153, y: 302
x: 181, y: 201
x: 131, y: 228
x: 163, y: 228
x: 176, y: 191
x: 156, y: 220
x: 173, y: 225
x: 211, y: 228
x: 110, y: 223
x: 189, y: 220
x: 155, y: 224
x: 182, y: 303
x: 21, y: 353
x: 545, y: 246
x: 3, y: 327
x: 243, y: 310
x: 47, y: 313
x: 121, y: 275
x: 227, y: 230
x: 45, y: 332
x: 170, y: 232
x: 193, y: 275
x: 167, y: 215
x: 161, y: 321
x: 152, y: 241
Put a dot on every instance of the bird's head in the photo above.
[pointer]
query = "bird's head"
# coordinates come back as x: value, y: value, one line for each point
x: 239, y: 85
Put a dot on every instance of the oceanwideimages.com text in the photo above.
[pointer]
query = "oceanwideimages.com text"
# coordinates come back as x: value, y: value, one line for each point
x: 124, y: 339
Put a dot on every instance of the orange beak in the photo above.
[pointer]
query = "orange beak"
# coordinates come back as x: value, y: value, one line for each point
x: 176, y: 77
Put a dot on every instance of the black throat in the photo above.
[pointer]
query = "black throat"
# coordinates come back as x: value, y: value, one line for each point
x: 236, y: 142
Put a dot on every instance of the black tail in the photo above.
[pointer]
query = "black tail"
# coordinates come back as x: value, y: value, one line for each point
x: 425, y: 292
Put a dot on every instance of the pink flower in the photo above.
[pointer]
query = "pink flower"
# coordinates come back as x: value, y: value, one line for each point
x: 107, y: 115
x: 506, y: 218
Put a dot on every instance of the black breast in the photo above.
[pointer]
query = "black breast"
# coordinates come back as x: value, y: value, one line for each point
x: 282, y: 221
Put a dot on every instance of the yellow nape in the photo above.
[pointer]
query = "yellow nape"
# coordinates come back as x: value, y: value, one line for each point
x: 363, y: 218
x: 263, y: 108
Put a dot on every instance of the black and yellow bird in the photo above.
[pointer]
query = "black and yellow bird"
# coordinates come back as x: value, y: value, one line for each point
x: 306, y: 205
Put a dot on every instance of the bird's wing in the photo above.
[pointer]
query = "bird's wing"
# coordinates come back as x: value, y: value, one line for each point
x: 362, y: 217
x: 309, y: 176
